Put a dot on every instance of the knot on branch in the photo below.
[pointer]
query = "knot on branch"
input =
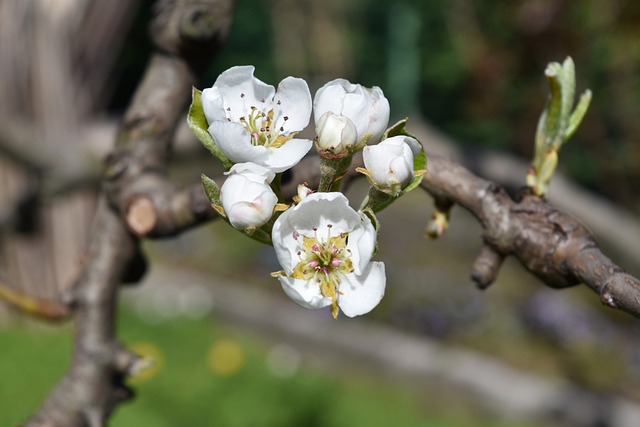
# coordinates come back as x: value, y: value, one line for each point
x: 191, y: 28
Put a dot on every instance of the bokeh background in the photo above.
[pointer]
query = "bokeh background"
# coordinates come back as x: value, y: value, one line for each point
x: 231, y: 350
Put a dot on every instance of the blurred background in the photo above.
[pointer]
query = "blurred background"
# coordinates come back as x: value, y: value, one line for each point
x: 231, y: 349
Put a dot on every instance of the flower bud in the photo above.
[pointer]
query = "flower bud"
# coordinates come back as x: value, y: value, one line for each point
x: 367, y: 108
x: 303, y: 192
x: 389, y: 164
x: 336, y: 134
x: 246, y: 196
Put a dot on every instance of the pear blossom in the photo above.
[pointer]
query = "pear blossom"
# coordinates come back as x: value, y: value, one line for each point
x: 389, y: 164
x: 325, y: 249
x: 366, y: 108
x: 246, y: 196
x: 336, y: 134
x: 250, y: 121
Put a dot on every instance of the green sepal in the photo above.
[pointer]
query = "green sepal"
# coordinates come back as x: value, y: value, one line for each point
x: 200, y: 127
x: 397, y: 129
x: 212, y: 190
x: 259, y: 235
x: 377, y: 200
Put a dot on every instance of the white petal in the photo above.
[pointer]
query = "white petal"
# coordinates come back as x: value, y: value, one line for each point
x: 413, y: 143
x: 288, y: 155
x: 253, y: 171
x: 292, y: 100
x: 315, y: 212
x: 305, y: 293
x: 240, y: 90
x: 362, y: 242
x: 213, y: 105
x: 379, y: 115
x: 400, y: 171
x: 235, y: 142
x: 357, y: 107
x: 330, y: 98
x: 360, y: 294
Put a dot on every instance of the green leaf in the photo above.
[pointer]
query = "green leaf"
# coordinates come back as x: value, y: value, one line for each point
x: 578, y: 114
x: 568, y: 89
x: 200, y: 127
x: 552, y: 125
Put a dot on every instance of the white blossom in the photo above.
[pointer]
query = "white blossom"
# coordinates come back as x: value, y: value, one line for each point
x: 367, y: 108
x: 325, y: 250
x: 389, y: 164
x: 252, y: 122
x: 246, y: 196
x: 336, y: 133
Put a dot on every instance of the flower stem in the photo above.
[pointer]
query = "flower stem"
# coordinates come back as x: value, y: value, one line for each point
x: 331, y: 173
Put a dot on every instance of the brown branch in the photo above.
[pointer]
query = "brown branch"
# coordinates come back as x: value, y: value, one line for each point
x: 549, y: 243
x: 93, y: 385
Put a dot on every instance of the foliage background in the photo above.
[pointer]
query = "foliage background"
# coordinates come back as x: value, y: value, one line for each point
x: 472, y: 68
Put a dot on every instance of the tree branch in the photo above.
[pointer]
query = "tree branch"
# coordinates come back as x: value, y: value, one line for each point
x: 549, y: 243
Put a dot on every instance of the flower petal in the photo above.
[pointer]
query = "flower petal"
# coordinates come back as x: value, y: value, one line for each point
x: 303, y: 292
x: 357, y: 107
x: 379, y: 115
x: 288, y: 155
x: 360, y: 294
x: 330, y: 98
x: 362, y: 243
x: 240, y: 90
x: 234, y: 141
x: 292, y: 100
x: 252, y: 171
x: 213, y: 105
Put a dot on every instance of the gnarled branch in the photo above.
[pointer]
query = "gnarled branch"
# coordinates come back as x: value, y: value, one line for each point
x: 551, y: 244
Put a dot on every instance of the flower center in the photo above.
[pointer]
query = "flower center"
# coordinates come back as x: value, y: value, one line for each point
x: 324, y: 261
x: 261, y: 126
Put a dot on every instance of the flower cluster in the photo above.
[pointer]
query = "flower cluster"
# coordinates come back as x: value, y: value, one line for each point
x: 323, y: 245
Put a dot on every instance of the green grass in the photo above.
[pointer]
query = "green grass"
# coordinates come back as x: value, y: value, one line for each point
x: 185, y: 391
